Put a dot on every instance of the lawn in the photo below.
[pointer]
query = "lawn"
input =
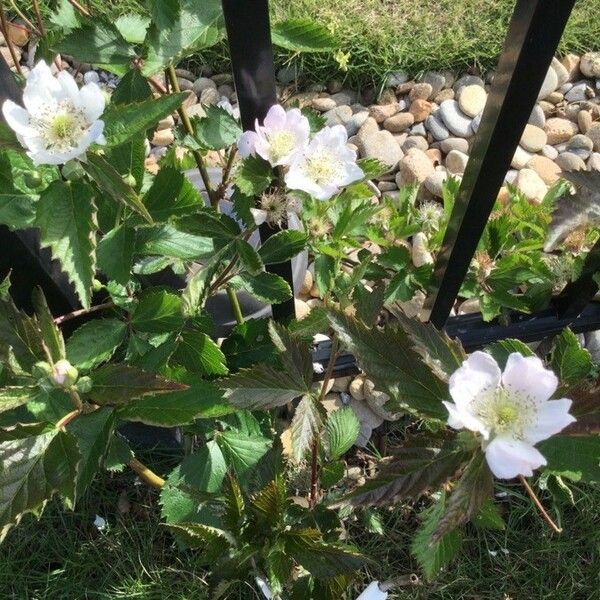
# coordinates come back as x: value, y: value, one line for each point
x: 385, y: 35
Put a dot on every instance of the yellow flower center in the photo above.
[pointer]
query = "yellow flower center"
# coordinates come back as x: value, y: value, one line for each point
x: 62, y: 126
x: 322, y: 167
x: 506, y: 412
x: 281, y: 143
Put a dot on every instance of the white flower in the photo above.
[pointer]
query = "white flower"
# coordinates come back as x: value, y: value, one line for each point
x: 511, y: 410
x: 279, y: 138
x: 64, y: 373
x: 373, y: 592
x: 326, y: 165
x: 59, y: 121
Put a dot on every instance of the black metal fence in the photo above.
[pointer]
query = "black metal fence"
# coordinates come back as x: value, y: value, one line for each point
x: 534, y: 33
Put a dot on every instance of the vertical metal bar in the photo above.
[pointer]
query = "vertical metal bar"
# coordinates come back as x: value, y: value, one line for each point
x: 249, y: 36
x: 534, y: 33
x: 9, y: 90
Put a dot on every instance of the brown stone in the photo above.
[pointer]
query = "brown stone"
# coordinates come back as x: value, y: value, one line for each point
x: 547, y: 169
x: 571, y: 63
x: 381, y: 112
x: 420, y: 91
x: 18, y: 34
x: 584, y: 120
x: 435, y: 156
x: 560, y: 130
x: 399, y: 122
x: 404, y: 88
x: 420, y: 109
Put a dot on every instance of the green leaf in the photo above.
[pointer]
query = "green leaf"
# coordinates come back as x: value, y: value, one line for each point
x: 111, y: 182
x: 320, y: 558
x: 100, y: 44
x: 243, y: 451
x: 15, y: 396
x: 282, y: 246
x: 199, y: 354
x: 118, y: 454
x: 212, y: 540
x: 93, y: 432
x: 17, y: 202
x: 407, y: 474
x: 295, y: 354
x: 343, y: 428
x: 249, y: 257
x: 331, y: 473
x: 217, y: 130
x: 201, y: 401
x: 271, y: 502
x: 569, y: 360
x: 325, y: 273
x: 193, y: 27
x: 124, y: 122
x: 233, y: 515
x: 306, y: 425
x: 65, y: 16
x: 253, y: 176
x: 66, y: 216
x: 401, y: 373
x: 167, y: 240
x: 502, y: 349
x: 118, y: 384
x: 197, y: 289
x: 51, y: 334
x: 172, y: 195
x: 133, y: 87
x: 33, y: 470
x: 489, y: 517
x: 303, y: 35
x: 132, y: 27
x: 372, y: 168
x: 576, y: 457
x: 249, y: 343
x: 95, y: 342
x: 115, y: 254
x: 267, y: 287
x: 128, y: 159
x: 473, y: 489
x: 434, y: 556
x: 158, y: 311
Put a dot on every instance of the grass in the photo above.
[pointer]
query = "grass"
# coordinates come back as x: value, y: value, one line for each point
x: 385, y: 35
x: 63, y: 556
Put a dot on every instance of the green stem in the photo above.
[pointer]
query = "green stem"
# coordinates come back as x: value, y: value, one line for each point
x: 187, y: 124
x: 235, y: 304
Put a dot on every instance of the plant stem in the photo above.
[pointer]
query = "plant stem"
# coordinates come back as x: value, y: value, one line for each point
x: 235, y: 304
x: 82, y: 311
x: 226, y: 171
x: 537, y: 502
x: 82, y: 9
x: 23, y: 17
x: 77, y: 403
x: 314, y: 462
x: 38, y: 17
x: 145, y: 474
x: 187, y: 124
x: 67, y: 419
x: 11, y: 47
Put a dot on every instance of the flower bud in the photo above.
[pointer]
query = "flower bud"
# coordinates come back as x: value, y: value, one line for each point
x: 41, y: 370
x: 97, y: 285
x: 33, y: 179
x: 64, y: 374
x: 84, y: 384
x: 129, y: 179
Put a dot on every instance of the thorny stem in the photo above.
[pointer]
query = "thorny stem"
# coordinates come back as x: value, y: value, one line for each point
x: 157, y: 85
x: 83, y: 311
x: 145, y: 474
x: 11, y: 47
x: 314, y: 463
x: 537, y: 502
x: 38, y: 17
x: 82, y: 9
x: 187, y: 124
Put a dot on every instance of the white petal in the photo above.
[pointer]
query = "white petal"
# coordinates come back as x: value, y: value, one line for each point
x: 462, y: 419
x: 247, y: 143
x: 43, y: 157
x: 373, y: 592
x: 17, y: 118
x: 90, y: 100
x: 553, y: 416
x: 276, y: 117
x: 478, y: 373
x: 352, y: 173
x: 69, y: 88
x: 527, y: 375
x: 299, y: 123
x: 260, y: 216
x: 41, y: 88
x: 508, y: 458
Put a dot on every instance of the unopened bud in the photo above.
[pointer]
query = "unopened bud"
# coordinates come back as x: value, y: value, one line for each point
x: 33, y: 179
x: 84, y: 385
x: 97, y: 285
x: 129, y: 179
x: 64, y: 374
x: 41, y: 370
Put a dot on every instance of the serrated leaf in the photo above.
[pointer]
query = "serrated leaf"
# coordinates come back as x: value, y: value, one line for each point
x: 253, y: 176
x: 164, y: 12
x: 158, y: 311
x: 33, y: 470
x: 201, y: 401
x: 198, y: 353
x: 17, y: 203
x: 133, y: 87
x: 407, y: 474
x: 569, y: 360
x: 243, y: 451
x: 343, y: 428
x: 389, y: 359
x: 132, y: 27
x: 306, y: 425
x: 233, y: 514
x: 320, y: 558
x: 118, y: 384
x: 217, y: 130
x: 193, y: 27
x: 172, y: 195
x: 111, y: 182
x: 372, y: 168
x: 65, y: 16
x: 128, y: 159
x: 433, y: 557
x: 249, y: 343
x: 15, y: 396
x: 331, y: 473
x: 249, y: 257
x: 66, y: 216
x: 118, y: 454
x: 324, y: 273
x: 271, y: 502
x: 282, y: 246
x: 489, y: 517
x: 474, y: 487
x: 99, y: 44
x: 577, y: 457
x: 302, y: 35
x: 95, y: 342
x: 267, y: 287
x: 294, y: 353
x: 167, y: 240
x: 51, y: 334
x: 126, y: 121
x: 202, y: 536
x: 115, y: 254
x: 502, y: 349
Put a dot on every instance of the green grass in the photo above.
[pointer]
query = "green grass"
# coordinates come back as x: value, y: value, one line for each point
x: 63, y: 556
x: 386, y: 35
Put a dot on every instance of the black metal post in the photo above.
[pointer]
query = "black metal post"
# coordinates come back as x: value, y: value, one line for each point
x: 9, y: 90
x: 249, y: 36
x: 534, y: 33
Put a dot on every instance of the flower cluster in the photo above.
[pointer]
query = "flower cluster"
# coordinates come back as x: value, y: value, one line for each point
x: 511, y: 410
x: 320, y: 166
x: 59, y: 121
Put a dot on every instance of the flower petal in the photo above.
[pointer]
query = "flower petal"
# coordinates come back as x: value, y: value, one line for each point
x: 508, y: 458
x: 527, y: 375
x: 90, y: 100
x: 373, y: 592
x: 69, y: 88
x: 553, y: 416
x: 17, y: 118
x: 478, y: 373
x: 247, y: 144
x: 462, y: 419
x: 276, y: 117
x: 41, y: 88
